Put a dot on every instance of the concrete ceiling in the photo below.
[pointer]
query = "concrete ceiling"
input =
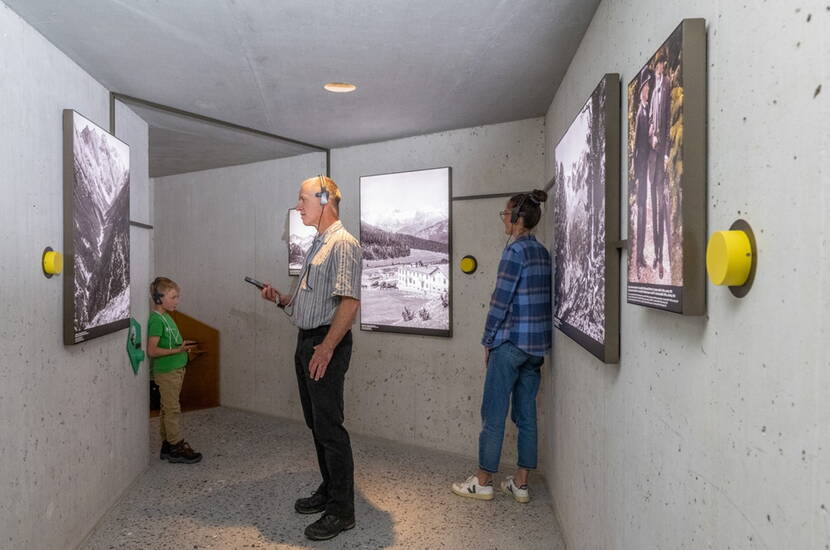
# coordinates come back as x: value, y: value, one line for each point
x: 421, y: 66
x: 181, y: 144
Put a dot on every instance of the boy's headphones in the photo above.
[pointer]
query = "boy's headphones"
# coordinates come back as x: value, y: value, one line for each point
x: 157, y: 296
x: 323, y: 193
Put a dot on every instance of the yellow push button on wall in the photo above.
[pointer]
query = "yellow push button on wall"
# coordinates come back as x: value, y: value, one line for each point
x: 468, y: 264
x: 729, y: 258
x: 732, y: 258
x: 52, y: 262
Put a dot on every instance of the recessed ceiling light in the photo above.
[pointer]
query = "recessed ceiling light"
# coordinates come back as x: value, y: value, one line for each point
x: 340, y: 87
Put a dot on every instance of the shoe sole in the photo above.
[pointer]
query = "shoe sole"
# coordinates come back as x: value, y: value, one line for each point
x: 348, y: 527
x: 173, y: 460
x: 309, y: 511
x: 521, y: 500
x: 476, y: 496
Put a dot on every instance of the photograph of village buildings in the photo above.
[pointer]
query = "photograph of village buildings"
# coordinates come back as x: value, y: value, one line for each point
x: 405, y: 235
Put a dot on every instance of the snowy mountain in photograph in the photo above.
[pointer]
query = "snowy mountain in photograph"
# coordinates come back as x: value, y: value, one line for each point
x: 405, y: 235
x: 298, y: 246
x: 406, y: 221
x: 300, y: 238
x: 101, y: 224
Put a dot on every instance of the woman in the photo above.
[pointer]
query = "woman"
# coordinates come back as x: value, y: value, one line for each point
x: 516, y: 337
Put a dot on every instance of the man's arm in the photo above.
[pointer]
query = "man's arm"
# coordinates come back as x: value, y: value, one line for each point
x: 347, y: 271
x: 344, y: 316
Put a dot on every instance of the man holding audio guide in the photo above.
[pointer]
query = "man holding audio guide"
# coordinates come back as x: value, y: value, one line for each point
x: 323, y: 306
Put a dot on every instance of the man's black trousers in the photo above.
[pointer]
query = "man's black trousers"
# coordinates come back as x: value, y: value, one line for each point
x: 322, y: 403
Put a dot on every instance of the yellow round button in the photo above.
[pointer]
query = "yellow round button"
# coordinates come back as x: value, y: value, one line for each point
x: 468, y: 264
x: 729, y: 258
x: 52, y: 262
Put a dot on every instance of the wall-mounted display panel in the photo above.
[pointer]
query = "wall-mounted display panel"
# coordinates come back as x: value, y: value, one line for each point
x: 586, y: 224
x: 406, y: 232
x: 96, y: 200
x: 667, y: 175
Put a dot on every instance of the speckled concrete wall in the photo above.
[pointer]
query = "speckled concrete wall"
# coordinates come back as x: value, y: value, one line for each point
x: 73, y: 434
x: 712, y: 432
x: 231, y: 223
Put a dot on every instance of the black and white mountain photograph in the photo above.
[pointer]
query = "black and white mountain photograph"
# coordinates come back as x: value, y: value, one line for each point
x: 99, y: 229
x: 405, y: 234
x: 579, y: 226
x: 300, y: 237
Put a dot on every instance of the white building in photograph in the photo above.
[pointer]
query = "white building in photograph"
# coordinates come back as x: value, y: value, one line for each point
x: 431, y: 278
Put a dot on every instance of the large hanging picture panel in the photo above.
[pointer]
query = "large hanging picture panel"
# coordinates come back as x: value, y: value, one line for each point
x: 300, y: 237
x: 96, y: 198
x: 405, y: 232
x: 586, y: 214
x: 667, y: 175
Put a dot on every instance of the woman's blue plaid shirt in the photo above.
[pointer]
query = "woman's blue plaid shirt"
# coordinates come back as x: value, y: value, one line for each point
x: 520, y: 308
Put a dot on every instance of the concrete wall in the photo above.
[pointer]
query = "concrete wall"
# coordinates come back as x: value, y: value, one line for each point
x: 73, y: 434
x: 712, y: 431
x: 212, y: 229
x: 231, y: 223
x: 130, y: 128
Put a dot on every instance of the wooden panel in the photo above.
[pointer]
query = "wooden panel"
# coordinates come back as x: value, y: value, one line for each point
x: 201, y: 383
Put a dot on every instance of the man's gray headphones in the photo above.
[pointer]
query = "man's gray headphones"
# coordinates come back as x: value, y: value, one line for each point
x: 323, y: 193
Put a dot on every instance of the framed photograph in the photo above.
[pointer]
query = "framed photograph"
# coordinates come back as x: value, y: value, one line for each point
x: 667, y: 175
x: 586, y: 227
x: 406, y: 234
x: 96, y: 234
x: 300, y: 237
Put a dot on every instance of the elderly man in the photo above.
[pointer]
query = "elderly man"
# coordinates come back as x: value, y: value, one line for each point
x: 323, y: 307
x: 659, y: 127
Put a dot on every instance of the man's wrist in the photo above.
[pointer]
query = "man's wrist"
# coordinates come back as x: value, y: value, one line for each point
x: 326, y: 346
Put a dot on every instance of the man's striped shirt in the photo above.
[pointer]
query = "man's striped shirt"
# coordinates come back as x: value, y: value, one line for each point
x: 332, y: 269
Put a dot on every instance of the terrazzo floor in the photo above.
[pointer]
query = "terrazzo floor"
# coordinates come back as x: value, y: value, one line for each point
x: 242, y: 493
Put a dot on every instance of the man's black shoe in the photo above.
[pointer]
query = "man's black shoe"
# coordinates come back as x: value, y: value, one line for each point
x: 328, y: 527
x: 314, y: 504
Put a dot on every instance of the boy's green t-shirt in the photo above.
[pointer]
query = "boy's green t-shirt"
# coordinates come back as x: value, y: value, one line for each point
x: 163, y: 326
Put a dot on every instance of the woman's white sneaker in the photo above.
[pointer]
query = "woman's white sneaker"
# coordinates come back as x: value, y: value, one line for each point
x: 519, y: 494
x: 470, y: 488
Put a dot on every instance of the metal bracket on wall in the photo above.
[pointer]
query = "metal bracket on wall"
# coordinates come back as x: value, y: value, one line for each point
x: 619, y: 245
x: 115, y: 96
x: 490, y: 196
x: 141, y: 225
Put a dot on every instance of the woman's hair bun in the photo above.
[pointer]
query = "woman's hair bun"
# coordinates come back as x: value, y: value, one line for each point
x: 538, y: 196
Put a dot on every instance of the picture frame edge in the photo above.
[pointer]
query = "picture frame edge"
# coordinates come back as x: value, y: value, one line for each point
x: 613, y: 218
x: 695, y: 165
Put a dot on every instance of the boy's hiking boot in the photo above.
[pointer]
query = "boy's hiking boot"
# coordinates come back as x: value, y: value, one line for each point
x: 182, y: 453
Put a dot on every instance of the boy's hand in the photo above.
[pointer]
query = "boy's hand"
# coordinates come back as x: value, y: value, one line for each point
x: 190, y: 344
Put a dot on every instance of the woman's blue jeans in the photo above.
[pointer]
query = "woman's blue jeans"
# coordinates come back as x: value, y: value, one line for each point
x: 510, y: 373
